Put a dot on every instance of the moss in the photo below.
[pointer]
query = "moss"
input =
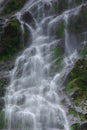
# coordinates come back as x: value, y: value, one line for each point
x: 3, y: 83
x: 73, y: 112
x: 78, y: 2
x: 2, y: 121
x: 82, y: 117
x: 60, y: 30
x: 77, y: 83
x: 58, y: 52
x: 71, y: 86
x: 60, y: 6
x: 76, y: 114
x: 79, y: 74
x: 13, y: 6
x: 84, y: 52
x: 77, y: 24
x: 10, y: 40
x: 75, y: 127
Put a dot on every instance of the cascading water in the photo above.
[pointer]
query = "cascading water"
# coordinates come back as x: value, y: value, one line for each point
x: 33, y: 99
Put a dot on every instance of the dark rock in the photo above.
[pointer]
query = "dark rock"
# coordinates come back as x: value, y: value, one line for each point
x: 27, y: 36
x: 12, y: 6
x: 77, y: 24
x: 84, y: 126
x: 3, y: 84
x: 28, y: 18
x: 10, y: 42
x: 60, y: 6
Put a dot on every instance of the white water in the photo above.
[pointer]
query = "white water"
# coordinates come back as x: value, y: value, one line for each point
x: 33, y: 98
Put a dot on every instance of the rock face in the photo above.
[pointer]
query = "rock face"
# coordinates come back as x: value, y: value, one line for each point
x: 11, y: 6
x: 76, y: 89
x: 11, y: 43
x: 10, y: 39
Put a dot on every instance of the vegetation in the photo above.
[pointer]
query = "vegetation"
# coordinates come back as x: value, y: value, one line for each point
x: 78, y: 2
x: 84, y: 52
x: 10, y: 40
x: 2, y: 120
x: 78, y: 76
x: 75, y: 127
x: 77, y: 24
x: 60, y: 6
x: 13, y: 6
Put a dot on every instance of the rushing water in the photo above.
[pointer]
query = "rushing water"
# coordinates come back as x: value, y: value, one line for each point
x: 33, y: 98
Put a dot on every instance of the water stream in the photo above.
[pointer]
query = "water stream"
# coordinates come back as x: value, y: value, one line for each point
x: 33, y: 98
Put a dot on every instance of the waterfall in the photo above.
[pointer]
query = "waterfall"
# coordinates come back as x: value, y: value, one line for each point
x: 33, y: 97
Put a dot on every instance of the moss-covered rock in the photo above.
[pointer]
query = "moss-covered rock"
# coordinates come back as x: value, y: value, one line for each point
x: 78, y: 75
x: 60, y: 6
x: 2, y: 120
x: 83, y: 53
x: 78, y: 23
x: 3, y: 83
x: 10, y: 40
x: 75, y: 127
x: 58, y: 29
x: 13, y: 6
x: 78, y: 2
x: 76, y: 87
x: 58, y: 53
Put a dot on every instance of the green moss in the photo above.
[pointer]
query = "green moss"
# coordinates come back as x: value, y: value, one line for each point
x: 84, y: 52
x: 58, y: 52
x: 73, y: 112
x: 77, y: 24
x: 2, y: 120
x: 60, y: 31
x: 60, y: 6
x: 82, y: 117
x: 10, y: 40
x: 13, y: 6
x: 77, y: 82
x: 72, y: 86
x: 76, y: 114
x: 79, y: 74
x: 75, y: 127
x: 78, y: 2
x: 2, y: 84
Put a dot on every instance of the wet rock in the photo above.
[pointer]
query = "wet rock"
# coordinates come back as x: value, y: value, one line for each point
x: 3, y: 84
x: 10, y: 39
x: 84, y: 126
x: 60, y: 6
x: 77, y: 24
x: 57, y: 29
x: 12, y: 6
x: 28, y: 18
